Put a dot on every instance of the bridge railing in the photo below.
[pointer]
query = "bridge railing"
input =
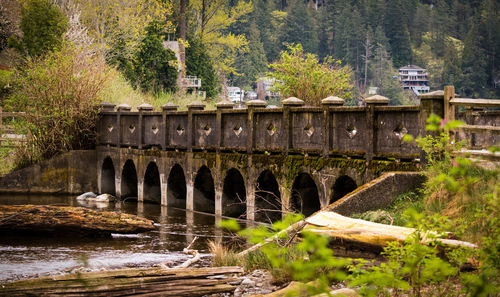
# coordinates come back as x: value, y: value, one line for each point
x: 373, y: 131
x: 482, y: 121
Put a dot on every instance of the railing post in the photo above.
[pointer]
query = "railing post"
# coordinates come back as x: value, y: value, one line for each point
x: 142, y: 108
x: 166, y: 132
x: 288, y: 121
x: 430, y: 103
x: 327, y: 118
x: 103, y: 107
x: 190, y: 125
x: 449, y: 109
x: 223, y: 105
x: 372, y: 125
x: 120, y: 108
x: 252, y: 105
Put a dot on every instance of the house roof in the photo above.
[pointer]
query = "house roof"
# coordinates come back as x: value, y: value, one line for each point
x: 411, y: 67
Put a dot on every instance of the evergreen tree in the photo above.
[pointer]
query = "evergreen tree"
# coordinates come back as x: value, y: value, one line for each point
x: 252, y: 63
x: 383, y: 75
x: 396, y: 30
x: 452, y: 72
x: 154, y: 67
x: 198, y: 63
x: 299, y: 27
x: 43, y: 25
x: 474, y: 64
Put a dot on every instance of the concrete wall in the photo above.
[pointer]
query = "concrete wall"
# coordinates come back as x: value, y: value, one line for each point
x: 378, y: 193
x: 70, y: 173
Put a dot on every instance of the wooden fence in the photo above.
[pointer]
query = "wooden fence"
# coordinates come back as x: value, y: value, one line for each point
x: 9, y: 137
x: 482, y: 126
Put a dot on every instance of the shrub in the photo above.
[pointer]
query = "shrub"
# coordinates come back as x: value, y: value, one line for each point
x: 59, y: 93
x: 43, y: 25
x: 301, y: 75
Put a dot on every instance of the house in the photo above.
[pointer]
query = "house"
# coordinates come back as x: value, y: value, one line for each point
x: 412, y: 77
x: 235, y: 94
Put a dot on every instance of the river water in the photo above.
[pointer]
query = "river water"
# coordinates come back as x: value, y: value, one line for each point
x: 23, y: 257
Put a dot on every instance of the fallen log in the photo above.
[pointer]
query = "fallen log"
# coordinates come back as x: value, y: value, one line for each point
x: 353, y: 238
x: 67, y: 220
x: 136, y: 282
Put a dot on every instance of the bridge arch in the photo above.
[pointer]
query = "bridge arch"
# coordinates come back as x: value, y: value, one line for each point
x: 204, y: 191
x: 305, y: 196
x: 234, y: 194
x: 108, y: 177
x: 176, y: 187
x: 129, y: 180
x: 343, y: 185
x: 152, y: 185
x: 267, y: 198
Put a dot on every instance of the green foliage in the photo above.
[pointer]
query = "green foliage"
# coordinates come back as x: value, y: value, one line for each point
x: 411, y: 266
x: 198, y: 63
x: 59, y: 93
x: 302, y: 75
x: 154, y: 67
x: 43, y: 25
x: 309, y: 260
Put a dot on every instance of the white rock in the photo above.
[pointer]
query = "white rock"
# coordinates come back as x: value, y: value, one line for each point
x: 105, y: 198
x: 86, y: 196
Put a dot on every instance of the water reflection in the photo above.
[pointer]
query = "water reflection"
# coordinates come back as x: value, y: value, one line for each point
x: 31, y: 256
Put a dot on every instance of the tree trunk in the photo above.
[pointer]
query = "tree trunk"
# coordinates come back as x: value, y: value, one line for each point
x: 67, y: 220
x: 137, y: 282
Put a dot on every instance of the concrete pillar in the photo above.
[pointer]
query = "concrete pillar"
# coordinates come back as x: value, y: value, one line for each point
x: 252, y: 105
x: 287, y: 120
x: 430, y: 103
x: 371, y: 103
x: 218, y: 185
x: 142, y: 109
x: 166, y: 108
x: 120, y: 108
x: 190, y: 125
x: 189, y: 182
x: 327, y: 137
x: 286, y: 198
x: 99, y: 175
x: 118, y: 188
x: 250, y: 199
x: 163, y: 189
x: 140, y: 189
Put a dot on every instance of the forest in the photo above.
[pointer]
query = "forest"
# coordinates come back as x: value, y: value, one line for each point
x: 232, y: 43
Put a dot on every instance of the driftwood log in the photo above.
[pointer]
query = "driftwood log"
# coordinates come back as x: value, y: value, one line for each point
x: 130, y: 282
x: 67, y: 220
x: 352, y: 237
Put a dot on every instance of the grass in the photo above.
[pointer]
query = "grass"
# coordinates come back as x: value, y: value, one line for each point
x: 118, y: 90
x: 7, y: 159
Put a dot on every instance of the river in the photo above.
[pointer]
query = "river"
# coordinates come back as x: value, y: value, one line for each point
x: 24, y: 257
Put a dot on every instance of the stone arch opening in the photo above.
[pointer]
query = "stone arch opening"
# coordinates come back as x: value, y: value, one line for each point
x: 152, y: 185
x: 176, y: 187
x: 234, y: 195
x: 305, y: 197
x: 108, y: 177
x: 129, y: 180
x: 343, y: 185
x: 204, y: 191
x: 267, y: 198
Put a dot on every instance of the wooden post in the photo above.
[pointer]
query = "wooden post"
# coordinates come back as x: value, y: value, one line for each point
x: 449, y: 109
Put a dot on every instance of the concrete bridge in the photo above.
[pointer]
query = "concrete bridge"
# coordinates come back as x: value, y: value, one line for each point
x: 256, y: 162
